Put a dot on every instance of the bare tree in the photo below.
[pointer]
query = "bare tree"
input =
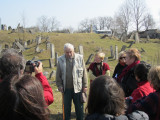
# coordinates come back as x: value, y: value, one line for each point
x: 109, y: 21
x: 84, y: 26
x: 148, y: 21
x: 124, y: 18
x: 138, y: 11
x: 102, y: 22
x: 43, y: 23
x: 53, y: 24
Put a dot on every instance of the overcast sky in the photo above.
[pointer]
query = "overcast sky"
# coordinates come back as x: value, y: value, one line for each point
x: 67, y: 12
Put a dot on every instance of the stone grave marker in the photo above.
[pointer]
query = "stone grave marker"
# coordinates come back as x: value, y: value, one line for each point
x: 48, y: 45
x: 136, y: 38
x: 80, y: 49
x: 52, y: 51
x: 123, y: 48
x: 89, y: 59
x: 112, y: 51
x: 52, y: 74
x: 51, y: 62
x: 37, y: 49
x: 19, y: 46
x: 105, y: 59
x: 116, y: 52
x: 56, y: 58
x: 6, y: 46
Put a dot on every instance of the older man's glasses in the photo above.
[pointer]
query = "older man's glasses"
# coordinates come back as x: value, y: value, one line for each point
x: 122, y: 58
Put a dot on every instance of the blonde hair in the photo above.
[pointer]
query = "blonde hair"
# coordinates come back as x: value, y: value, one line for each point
x: 100, y: 55
x: 133, y: 52
x: 154, y: 77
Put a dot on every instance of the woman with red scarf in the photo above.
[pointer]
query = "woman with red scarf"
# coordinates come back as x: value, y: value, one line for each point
x: 127, y: 78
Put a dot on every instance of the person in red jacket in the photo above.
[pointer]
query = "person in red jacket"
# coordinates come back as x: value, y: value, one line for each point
x: 144, y: 87
x: 12, y: 62
x: 98, y: 67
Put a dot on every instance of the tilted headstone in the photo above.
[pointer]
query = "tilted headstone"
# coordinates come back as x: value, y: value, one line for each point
x: 52, y: 74
x: 80, y: 49
x: 142, y: 50
x: 51, y: 62
x: 56, y: 58
x: 52, y: 51
x: 21, y: 41
x: 116, y: 52
x: 130, y: 45
x: 105, y: 59
x: 123, y: 48
x: 112, y: 51
x: 89, y: 59
x: 19, y: 46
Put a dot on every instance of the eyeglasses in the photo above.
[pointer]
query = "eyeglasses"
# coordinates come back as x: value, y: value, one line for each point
x: 122, y: 58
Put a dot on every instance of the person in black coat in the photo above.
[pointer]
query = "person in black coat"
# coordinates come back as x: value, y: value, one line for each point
x: 120, y: 66
x: 107, y: 101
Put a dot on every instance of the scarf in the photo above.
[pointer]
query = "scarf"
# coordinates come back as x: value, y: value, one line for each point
x: 125, y: 70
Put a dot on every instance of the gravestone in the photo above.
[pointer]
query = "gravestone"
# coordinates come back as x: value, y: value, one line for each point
x: 28, y: 42
x: 123, y: 48
x: 19, y: 46
x: 105, y: 59
x: 148, y: 37
x: 51, y: 63
x: 80, y: 49
x: 132, y: 35
x: 33, y: 41
x: 136, y: 38
x: 21, y: 41
x: 56, y: 58
x: 6, y: 46
x: 116, y: 52
x: 130, y: 45
x: 48, y: 45
x: 37, y: 49
x: 25, y: 44
x: 52, y: 51
x: 142, y: 50
x: 112, y: 51
x: 52, y: 74
x: 89, y: 59
x: 38, y: 40
x: 123, y: 37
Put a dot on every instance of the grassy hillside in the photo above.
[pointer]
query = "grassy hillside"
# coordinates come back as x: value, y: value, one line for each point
x: 90, y: 42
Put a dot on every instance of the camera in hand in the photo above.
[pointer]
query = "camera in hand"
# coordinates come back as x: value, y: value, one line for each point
x: 30, y: 67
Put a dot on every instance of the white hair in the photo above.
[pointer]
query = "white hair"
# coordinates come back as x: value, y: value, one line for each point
x: 68, y: 45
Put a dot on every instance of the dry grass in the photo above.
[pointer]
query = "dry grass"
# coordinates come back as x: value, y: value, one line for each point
x: 90, y: 42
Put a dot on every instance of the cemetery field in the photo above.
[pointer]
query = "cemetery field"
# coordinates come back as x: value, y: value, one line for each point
x: 91, y: 42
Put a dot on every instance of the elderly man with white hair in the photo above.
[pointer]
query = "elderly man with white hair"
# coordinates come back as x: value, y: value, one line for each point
x: 71, y: 80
